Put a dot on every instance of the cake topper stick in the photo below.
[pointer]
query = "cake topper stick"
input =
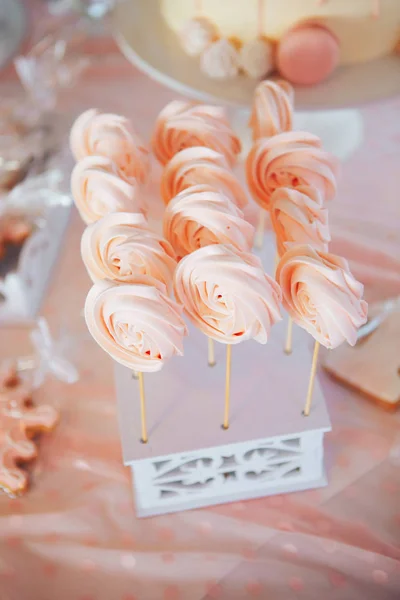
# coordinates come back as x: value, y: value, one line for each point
x: 211, y: 353
x: 276, y: 261
x: 307, y: 406
x: 227, y: 385
x: 288, y: 344
x: 144, y: 437
x: 259, y: 238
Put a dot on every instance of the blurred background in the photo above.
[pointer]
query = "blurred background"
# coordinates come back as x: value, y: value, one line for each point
x: 75, y: 533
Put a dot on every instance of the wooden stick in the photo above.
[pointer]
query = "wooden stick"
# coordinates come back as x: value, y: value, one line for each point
x: 211, y: 353
x: 307, y: 406
x: 276, y: 261
x: 227, y: 385
x: 260, y: 231
x: 288, y: 344
x: 144, y: 438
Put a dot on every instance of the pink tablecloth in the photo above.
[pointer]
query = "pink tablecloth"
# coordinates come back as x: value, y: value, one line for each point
x: 75, y: 536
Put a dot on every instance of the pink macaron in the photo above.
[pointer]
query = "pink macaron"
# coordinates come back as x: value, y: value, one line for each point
x: 307, y: 54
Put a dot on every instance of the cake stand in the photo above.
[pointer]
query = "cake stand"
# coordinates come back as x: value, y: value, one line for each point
x: 330, y: 110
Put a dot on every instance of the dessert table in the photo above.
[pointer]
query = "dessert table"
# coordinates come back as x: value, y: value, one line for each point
x: 74, y: 536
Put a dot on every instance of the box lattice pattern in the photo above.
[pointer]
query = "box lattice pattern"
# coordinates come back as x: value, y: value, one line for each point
x: 226, y: 472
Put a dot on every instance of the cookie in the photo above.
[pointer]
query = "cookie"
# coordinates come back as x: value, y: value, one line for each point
x: 20, y: 422
x: 372, y: 367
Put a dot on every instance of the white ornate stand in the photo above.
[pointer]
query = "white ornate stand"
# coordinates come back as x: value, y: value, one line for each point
x: 190, y: 461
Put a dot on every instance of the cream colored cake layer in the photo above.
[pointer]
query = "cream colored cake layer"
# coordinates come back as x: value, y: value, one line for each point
x: 362, y: 36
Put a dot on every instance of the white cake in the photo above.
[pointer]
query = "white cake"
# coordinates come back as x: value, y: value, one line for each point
x: 362, y: 29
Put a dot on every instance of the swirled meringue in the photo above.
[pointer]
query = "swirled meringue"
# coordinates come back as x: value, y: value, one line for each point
x: 112, y: 136
x: 200, y: 216
x: 197, y: 34
x: 321, y: 295
x: 184, y: 124
x: 298, y: 219
x: 99, y: 188
x: 198, y: 165
x: 227, y: 295
x: 136, y: 324
x: 272, y: 110
x: 220, y: 60
x: 290, y: 159
x: 256, y: 58
x: 120, y: 247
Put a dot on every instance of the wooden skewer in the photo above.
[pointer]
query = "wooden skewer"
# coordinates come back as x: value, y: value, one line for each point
x: 211, y: 353
x: 307, y: 406
x: 276, y: 262
x: 289, y: 335
x: 144, y: 437
x: 260, y: 231
x: 227, y: 385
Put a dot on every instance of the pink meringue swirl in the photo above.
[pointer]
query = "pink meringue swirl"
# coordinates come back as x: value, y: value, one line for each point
x: 200, y: 216
x: 321, y: 295
x: 184, y: 124
x: 298, y: 218
x: 99, y: 188
x: 198, y: 165
x: 272, y: 110
x: 227, y: 295
x: 290, y: 159
x: 136, y: 324
x: 112, y: 136
x: 120, y: 247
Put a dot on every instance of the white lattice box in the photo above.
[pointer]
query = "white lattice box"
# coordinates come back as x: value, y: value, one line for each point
x: 190, y: 461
